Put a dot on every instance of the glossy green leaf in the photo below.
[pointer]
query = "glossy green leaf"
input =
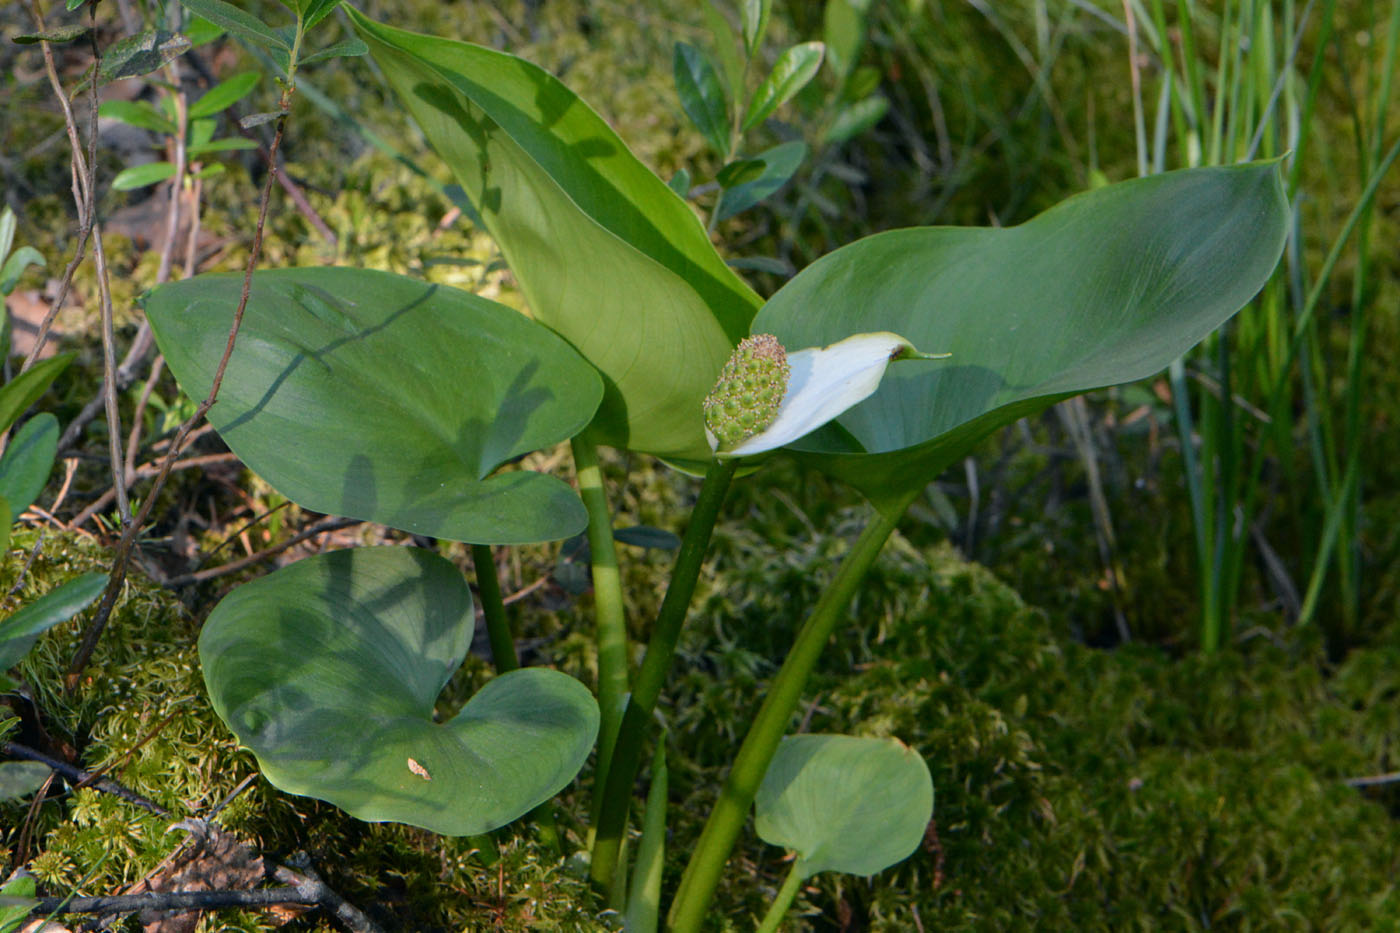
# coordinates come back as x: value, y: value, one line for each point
x: 702, y: 96
x: 24, y: 390
x: 137, y: 113
x: 842, y: 803
x: 17, y: 894
x: 779, y: 164
x: 794, y: 68
x: 27, y: 461
x: 854, y: 119
x: 6, y: 521
x: 386, y: 398
x: 22, y: 778
x: 23, y: 627
x: 329, y: 669
x: 224, y: 94
x: 1108, y: 287
x: 139, y: 176
x: 605, y: 253
x: 241, y: 24
x: 754, y: 22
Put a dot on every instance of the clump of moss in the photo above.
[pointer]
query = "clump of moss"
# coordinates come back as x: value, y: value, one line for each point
x: 141, y: 711
x: 1075, y: 788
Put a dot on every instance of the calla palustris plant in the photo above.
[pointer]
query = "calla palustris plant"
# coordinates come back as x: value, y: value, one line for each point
x: 1109, y: 286
x: 329, y: 669
x: 385, y: 398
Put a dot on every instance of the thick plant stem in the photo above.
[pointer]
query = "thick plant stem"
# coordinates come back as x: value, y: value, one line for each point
x: 494, y: 609
x: 774, y: 717
x: 613, y: 795
x: 782, y: 901
x: 607, y: 599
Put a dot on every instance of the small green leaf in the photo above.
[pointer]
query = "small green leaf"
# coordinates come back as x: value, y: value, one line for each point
x: 794, y: 68
x: 17, y: 895
x: 702, y: 96
x: 13, y: 268
x: 854, y: 119
x: 224, y: 94
x: 139, y: 176
x: 56, y: 34
x: 238, y: 22
x: 754, y: 14
x: 313, y: 11
x: 6, y: 520
x: 28, y: 460
x: 19, y: 632
x: 646, y: 536
x: 847, y: 804
x: 844, y: 32
x: 20, y: 779
x: 779, y: 165
x: 727, y: 48
x: 141, y: 54
x: 74, y: 4
x: 137, y: 113
x: 209, y: 171
x: 24, y: 390
x: 348, y: 48
x: 228, y: 144
x: 329, y: 670
x: 740, y: 171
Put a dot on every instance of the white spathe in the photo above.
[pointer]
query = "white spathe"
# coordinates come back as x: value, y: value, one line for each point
x: 826, y: 381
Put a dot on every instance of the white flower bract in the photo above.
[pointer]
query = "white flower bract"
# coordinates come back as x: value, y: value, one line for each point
x: 824, y: 383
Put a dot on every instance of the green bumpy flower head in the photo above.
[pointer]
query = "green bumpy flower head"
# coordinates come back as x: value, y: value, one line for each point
x: 749, y: 392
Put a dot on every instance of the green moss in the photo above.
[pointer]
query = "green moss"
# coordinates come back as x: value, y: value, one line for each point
x: 1075, y: 788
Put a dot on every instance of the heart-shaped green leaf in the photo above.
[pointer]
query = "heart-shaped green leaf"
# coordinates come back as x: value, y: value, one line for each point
x: 27, y: 462
x: 328, y: 670
x: 847, y: 804
x: 606, y: 254
x: 386, y: 398
x: 1107, y: 287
